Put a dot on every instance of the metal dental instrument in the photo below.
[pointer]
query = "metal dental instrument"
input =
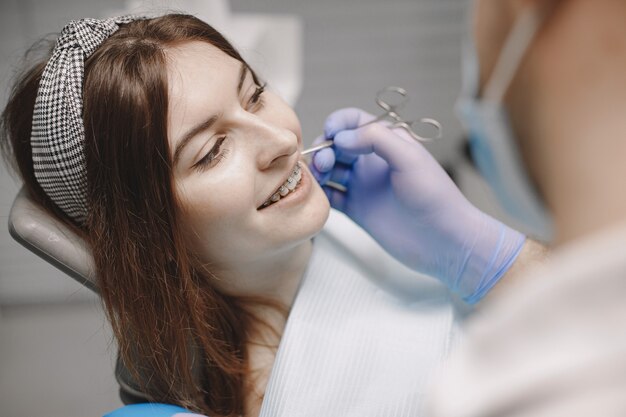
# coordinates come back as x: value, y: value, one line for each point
x: 325, y: 144
x: 391, y: 99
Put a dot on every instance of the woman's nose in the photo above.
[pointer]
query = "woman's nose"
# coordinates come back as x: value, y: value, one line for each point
x: 274, y: 144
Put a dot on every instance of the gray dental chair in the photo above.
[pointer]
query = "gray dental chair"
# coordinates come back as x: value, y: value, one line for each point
x: 43, y: 235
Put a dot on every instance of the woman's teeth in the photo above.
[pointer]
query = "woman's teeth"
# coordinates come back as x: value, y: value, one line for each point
x: 287, y: 187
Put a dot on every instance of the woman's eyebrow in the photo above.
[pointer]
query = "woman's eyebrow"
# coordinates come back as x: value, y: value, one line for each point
x: 191, y: 134
x: 205, y: 125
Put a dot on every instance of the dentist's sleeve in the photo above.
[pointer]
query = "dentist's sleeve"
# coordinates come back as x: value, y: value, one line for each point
x: 556, y: 346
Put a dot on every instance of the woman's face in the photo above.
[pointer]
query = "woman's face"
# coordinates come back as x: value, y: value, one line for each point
x: 233, y: 146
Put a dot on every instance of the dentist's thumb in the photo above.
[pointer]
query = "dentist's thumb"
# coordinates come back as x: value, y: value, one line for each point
x: 379, y: 139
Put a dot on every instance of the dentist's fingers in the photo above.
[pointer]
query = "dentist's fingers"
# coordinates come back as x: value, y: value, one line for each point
x: 322, y: 176
x: 322, y: 164
x: 343, y: 119
x: 341, y: 174
x: 324, y: 160
x: 335, y: 171
x: 378, y: 139
x: 336, y: 198
x: 326, y: 166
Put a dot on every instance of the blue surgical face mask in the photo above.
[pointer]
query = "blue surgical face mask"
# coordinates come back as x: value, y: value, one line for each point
x: 492, y: 139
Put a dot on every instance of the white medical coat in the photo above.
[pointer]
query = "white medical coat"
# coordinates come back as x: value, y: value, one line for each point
x: 554, y: 346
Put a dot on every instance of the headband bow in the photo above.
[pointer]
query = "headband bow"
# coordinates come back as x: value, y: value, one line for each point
x: 58, y: 133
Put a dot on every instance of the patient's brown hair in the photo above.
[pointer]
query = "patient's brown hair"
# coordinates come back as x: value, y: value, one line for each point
x: 159, y: 299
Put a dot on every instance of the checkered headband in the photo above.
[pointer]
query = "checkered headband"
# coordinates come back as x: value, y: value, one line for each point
x: 58, y: 133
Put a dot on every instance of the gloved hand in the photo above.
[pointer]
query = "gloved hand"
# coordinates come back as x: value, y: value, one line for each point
x: 402, y: 197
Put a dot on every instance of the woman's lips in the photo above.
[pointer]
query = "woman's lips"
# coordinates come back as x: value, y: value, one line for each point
x: 286, y: 187
x: 296, y: 196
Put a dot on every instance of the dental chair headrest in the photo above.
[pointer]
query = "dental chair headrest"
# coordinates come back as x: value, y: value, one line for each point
x: 51, y: 240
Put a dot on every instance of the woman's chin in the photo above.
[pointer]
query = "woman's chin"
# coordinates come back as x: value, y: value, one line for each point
x: 312, y: 219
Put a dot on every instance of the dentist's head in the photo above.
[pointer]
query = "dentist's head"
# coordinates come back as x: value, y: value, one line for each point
x: 543, y: 102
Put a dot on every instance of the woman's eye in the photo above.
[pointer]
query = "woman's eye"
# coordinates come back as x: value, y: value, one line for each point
x: 257, y: 96
x: 213, y: 157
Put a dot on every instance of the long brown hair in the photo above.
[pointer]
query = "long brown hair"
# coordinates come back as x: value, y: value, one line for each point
x: 173, y: 328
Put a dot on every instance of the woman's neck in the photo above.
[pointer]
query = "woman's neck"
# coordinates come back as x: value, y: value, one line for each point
x: 276, y: 279
x: 261, y: 352
x: 575, y: 94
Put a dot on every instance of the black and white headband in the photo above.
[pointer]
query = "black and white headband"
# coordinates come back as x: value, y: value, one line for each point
x: 58, y: 133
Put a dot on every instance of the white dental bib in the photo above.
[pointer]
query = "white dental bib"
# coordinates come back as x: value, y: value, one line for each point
x: 364, y: 336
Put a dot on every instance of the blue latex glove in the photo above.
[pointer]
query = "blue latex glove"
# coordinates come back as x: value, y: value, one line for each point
x: 402, y: 197
x: 151, y: 410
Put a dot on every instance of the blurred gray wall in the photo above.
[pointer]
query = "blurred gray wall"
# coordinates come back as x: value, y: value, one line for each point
x: 354, y: 48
